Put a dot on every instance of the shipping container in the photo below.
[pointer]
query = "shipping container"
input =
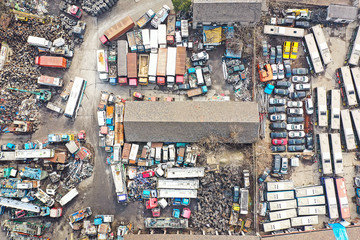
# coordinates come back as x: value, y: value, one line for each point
x: 50, y: 81
x: 126, y: 152
x: 117, y: 30
x: 48, y: 61
x: 122, y: 46
x: 304, y: 221
x: 310, y: 201
x: 282, y: 205
x: 170, y: 32
x: 277, y: 196
x: 309, y: 191
x: 276, y: 226
x: 183, y: 172
x: 312, y: 210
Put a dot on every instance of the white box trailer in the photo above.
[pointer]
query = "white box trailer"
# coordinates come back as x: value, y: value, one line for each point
x: 117, y: 152
x: 312, y: 210
x: 101, y: 118
x: 68, y: 197
x: 281, y: 195
x: 304, y: 221
x: 146, y: 39
x: 154, y: 41
x: 279, y: 186
x: 177, y: 184
x: 278, y: 225
x: 133, y: 152
x: 199, y: 76
x: 282, y: 205
x: 162, y: 36
x: 152, y: 67
x: 102, y: 65
x: 309, y: 191
x: 171, y: 66
x: 284, y: 214
x: 39, y: 42
x: 310, y: 201
x: 193, y: 172
x: 177, y: 193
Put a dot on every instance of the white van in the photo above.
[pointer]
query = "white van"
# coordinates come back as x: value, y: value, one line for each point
x: 309, y: 106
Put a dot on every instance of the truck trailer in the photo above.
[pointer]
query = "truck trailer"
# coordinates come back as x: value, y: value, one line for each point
x: 102, y: 64
x: 122, y: 46
x: 132, y: 69
x: 50, y: 81
x: 118, y: 29
x: 154, y: 45
x: 180, y: 64
x: 152, y: 67
x: 161, y: 66
x: 162, y: 36
x: 171, y: 66
x: 143, y: 69
x: 54, y: 62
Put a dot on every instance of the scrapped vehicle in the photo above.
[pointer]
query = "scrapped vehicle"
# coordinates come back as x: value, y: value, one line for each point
x: 300, y: 71
x: 309, y: 106
x: 278, y: 148
x: 276, y: 109
x: 274, y: 71
x: 281, y: 72
x: 287, y: 65
x: 297, y: 95
x: 282, y: 92
x: 297, y: 104
x: 294, y: 50
x: 302, y: 86
x: 264, y: 175
x: 278, y: 135
x: 265, y: 48
x: 295, y: 111
x: 284, y: 166
x: 277, y: 101
x: 296, y: 141
x: 281, y: 125
x: 279, y: 54
x: 295, y: 127
x: 200, y: 56
x: 309, y: 142
x: 302, y: 24
x: 138, y: 95
x: 296, y: 148
x: 296, y: 134
x: 272, y: 55
x: 286, y: 54
x: 279, y: 141
x: 276, y: 163
x: 283, y: 84
x: 277, y: 117
x: 295, y: 119
x: 300, y: 79
x: 236, y: 194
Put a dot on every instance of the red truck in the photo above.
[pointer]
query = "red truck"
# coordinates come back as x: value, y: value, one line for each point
x: 180, y: 64
x: 131, y: 62
x: 48, y: 61
x: 161, y: 66
x: 117, y: 30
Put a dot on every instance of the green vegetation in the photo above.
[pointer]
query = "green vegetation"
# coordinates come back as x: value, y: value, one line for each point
x: 181, y: 5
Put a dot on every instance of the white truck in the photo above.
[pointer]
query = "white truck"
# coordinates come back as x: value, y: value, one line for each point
x: 101, y: 118
x: 162, y: 36
x: 171, y: 66
x: 102, y: 65
x: 152, y: 67
x: 54, y: 108
x: 39, y: 42
x: 154, y: 45
x: 146, y: 39
x: 68, y: 197
x: 160, y: 16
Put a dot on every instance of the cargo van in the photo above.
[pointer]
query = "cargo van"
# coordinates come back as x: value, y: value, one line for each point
x: 199, y: 76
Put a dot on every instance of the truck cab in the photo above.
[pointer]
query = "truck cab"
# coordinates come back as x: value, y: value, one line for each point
x: 133, y: 82
x: 161, y: 81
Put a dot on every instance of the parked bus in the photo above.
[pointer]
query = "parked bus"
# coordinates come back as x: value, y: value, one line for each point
x: 321, y: 107
x: 347, y: 130
x: 347, y: 86
x: 178, y: 184
x: 324, y: 149
x: 336, y: 151
x: 279, y: 186
x: 332, y: 206
x: 355, y: 72
x: 314, y: 53
x: 355, y: 52
x: 284, y: 214
x: 275, y: 226
x: 119, y: 176
x: 322, y: 44
x: 75, y: 98
x: 355, y: 115
x: 284, y: 31
x: 282, y: 195
x: 342, y: 198
x: 177, y: 193
x: 312, y: 210
x: 282, y: 205
x: 304, y: 221
x: 309, y: 191
x: 244, y: 201
x: 335, y: 109
x: 311, y: 201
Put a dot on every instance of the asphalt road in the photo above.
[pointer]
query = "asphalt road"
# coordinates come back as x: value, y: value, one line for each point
x: 97, y: 191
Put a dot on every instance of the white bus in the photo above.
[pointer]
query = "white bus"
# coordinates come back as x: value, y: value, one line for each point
x: 325, y: 153
x: 311, y: 201
x: 332, y: 206
x: 34, y: 153
x: 355, y: 52
x: 309, y: 191
x: 336, y: 151
x: 314, y: 53
x: 282, y: 205
x: 284, y: 31
x: 348, y: 86
x: 282, y: 195
x: 279, y: 186
x: 355, y: 115
x: 75, y: 98
x: 69, y: 196
x: 304, y: 221
x: 278, y: 225
x: 312, y: 210
x: 177, y: 184
x: 177, y: 193
x: 321, y: 107
x: 284, y: 214
x: 185, y: 172
x: 355, y: 72
x: 322, y: 44
x: 347, y: 130
x: 335, y: 109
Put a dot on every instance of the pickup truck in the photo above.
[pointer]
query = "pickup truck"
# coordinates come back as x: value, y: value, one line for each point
x: 197, y: 91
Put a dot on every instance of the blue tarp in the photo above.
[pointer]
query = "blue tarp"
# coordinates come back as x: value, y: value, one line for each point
x: 339, y: 231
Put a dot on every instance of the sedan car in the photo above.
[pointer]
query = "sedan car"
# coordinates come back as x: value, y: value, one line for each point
x: 283, y: 84
x: 295, y: 127
x: 265, y: 48
x: 277, y: 101
x: 296, y: 148
x: 272, y: 55
x: 278, y: 135
x: 297, y: 95
x: 287, y: 71
x: 278, y: 148
x: 295, y: 111
x: 274, y: 70
x: 286, y: 54
x: 300, y: 71
x: 295, y: 119
x: 284, y: 165
x: 300, y: 79
x: 302, y: 87
x: 276, y: 109
x: 281, y: 125
x: 282, y: 92
x: 276, y: 163
x: 281, y: 73
x: 296, y: 134
x: 279, y: 141
x: 297, y: 104
x: 296, y: 141
x: 309, y: 106
x: 277, y: 117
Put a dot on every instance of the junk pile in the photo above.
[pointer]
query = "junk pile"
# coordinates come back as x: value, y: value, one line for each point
x: 97, y: 7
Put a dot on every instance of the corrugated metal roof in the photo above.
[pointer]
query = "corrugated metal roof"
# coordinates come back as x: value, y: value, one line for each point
x: 342, y: 12
x: 189, y: 121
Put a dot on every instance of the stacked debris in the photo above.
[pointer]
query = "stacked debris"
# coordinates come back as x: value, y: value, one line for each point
x: 139, y: 184
x: 215, y: 200
x: 96, y: 7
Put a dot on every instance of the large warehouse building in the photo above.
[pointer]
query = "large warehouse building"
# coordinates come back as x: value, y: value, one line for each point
x: 190, y: 121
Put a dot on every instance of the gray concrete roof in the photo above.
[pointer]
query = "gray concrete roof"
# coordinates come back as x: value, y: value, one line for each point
x: 342, y: 12
x: 227, y: 11
x: 189, y: 121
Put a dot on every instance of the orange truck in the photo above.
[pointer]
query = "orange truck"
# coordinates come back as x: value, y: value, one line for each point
x: 54, y: 62
x: 109, y: 115
x: 118, y: 29
x: 265, y: 72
